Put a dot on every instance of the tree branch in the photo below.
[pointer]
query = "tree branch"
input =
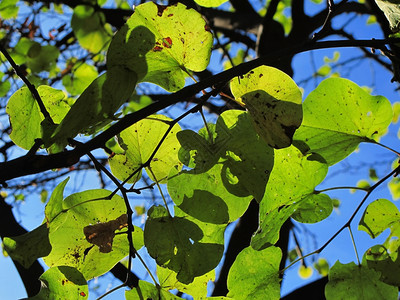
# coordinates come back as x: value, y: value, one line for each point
x: 33, y: 164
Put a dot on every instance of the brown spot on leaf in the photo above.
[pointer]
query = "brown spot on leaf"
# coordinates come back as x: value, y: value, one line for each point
x: 102, y: 234
x: 83, y: 294
x: 157, y: 49
x: 170, y: 15
x: 207, y: 28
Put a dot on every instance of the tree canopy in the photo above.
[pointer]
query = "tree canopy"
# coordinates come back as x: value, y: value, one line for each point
x: 198, y: 104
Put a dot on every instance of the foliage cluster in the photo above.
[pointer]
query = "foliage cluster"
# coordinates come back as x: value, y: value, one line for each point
x: 271, y: 150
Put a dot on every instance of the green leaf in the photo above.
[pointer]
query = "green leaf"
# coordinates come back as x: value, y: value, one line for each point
x: 313, y: 209
x: 290, y: 186
x: 80, y: 79
x: 160, y: 43
x: 139, y: 142
x: 371, y: 20
x: 255, y: 274
x: 391, y: 9
x: 43, y: 195
x: 44, y: 60
x: 55, y: 205
x: 8, y: 9
x: 305, y: 272
x: 394, y: 188
x: 246, y: 159
x: 210, y: 3
x: 4, y: 86
x: 62, y: 283
x: 372, y: 174
x: 90, y: 28
x: 382, y: 260
x: 25, y: 115
x: 96, y: 105
x: 197, y: 289
x: 322, y: 266
x: 28, y: 247
x: 66, y: 232
x: 380, y: 215
x: 273, y: 101
x: 338, y: 115
x: 183, y: 244
x: 20, y: 52
x: 324, y: 71
x: 206, y: 196
x: 351, y: 281
x: 364, y: 184
x: 396, y: 112
x: 136, y: 103
x: 146, y: 290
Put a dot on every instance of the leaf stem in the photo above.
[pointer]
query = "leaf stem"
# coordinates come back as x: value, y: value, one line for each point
x: 388, y: 148
x: 111, y: 291
x: 146, y: 267
x: 354, y: 244
x: 160, y: 190
x: 206, y: 125
x: 342, y: 188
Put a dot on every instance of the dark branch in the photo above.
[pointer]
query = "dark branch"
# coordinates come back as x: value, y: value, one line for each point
x: 34, y: 164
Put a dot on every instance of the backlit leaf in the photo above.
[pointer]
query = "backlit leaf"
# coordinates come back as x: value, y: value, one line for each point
x: 273, y: 101
x: 25, y: 115
x: 197, y: 289
x: 351, y: 281
x: 338, y: 115
x: 314, y: 208
x: 183, y: 244
x: 322, y: 266
x: 96, y: 105
x: 44, y: 60
x: 394, y: 188
x: 28, y: 247
x: 380, y: 215
x: 62, y: 283
x: 207, y: 196
x: 291, y: 185
x: 210, y: 3
x: 139, y: 142
x: 8, y: 9
x: 305, y: 272
x: 146, y: 290
x: 90, y: 29
x: 79, y: 80
x: 385, y: 260
x: 160, y: 43
x: 67, y: 238
x: 255, y: 274
x: 246, y: 159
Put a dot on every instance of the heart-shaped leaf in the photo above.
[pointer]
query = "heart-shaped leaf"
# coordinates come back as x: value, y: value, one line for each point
x: 274, y: 102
